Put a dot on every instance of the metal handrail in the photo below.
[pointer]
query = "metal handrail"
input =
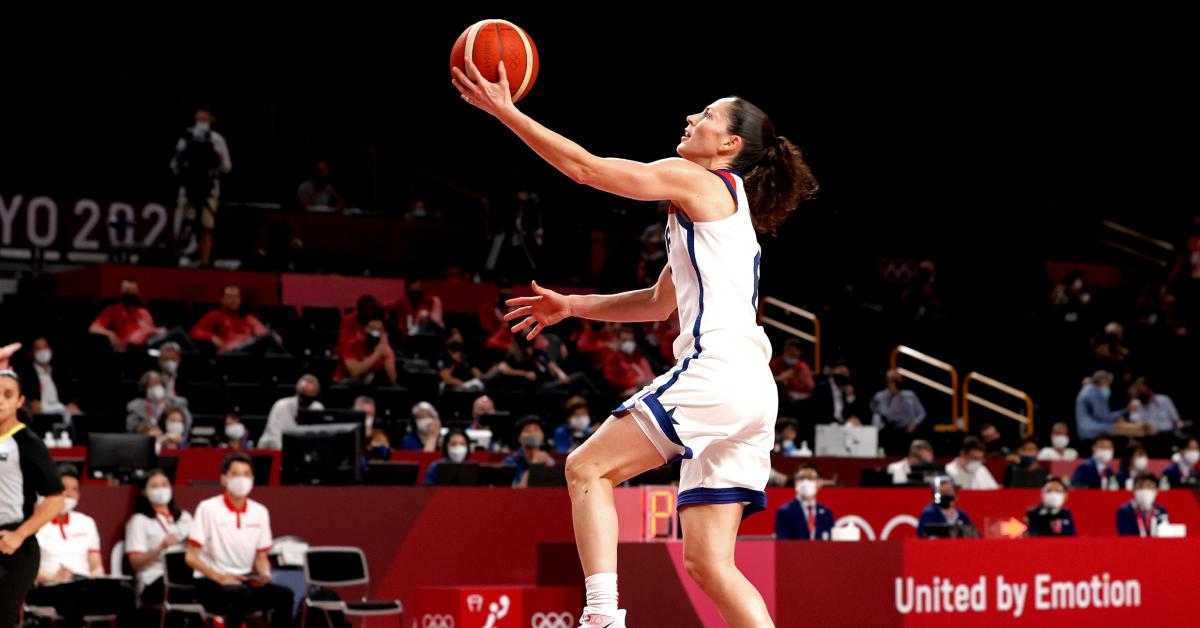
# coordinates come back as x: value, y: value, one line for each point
x: 1025, y: 420
x: 814, y: 338
x: 951, y: 390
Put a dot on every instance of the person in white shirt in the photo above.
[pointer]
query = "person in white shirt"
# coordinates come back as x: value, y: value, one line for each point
x: 919, y: 452
x: 228, y: 546
x: 283, y: 414
x: 71, y: 559
x: 968, y: 470
x: 1060, y: 444
x: 46, y: 388
x: 156, y: 527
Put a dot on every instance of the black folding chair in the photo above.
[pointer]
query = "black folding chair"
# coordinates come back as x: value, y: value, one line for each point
x: 336, y: 567
x: 178, y: 576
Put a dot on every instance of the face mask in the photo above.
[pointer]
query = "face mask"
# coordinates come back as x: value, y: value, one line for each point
x: 790, y: 361
x: 457, y: 453
x: 1053, y: 499
x: 201, y: 128
x: 972, y: 466
x: 628, y: 347
x: 1145, y: 497
x: 159, y: 496
x: 1102, y: 456
x: 1025, y: 461
x: 174, y: 427
x: 787, y: 444
x: 1060, y: 441
x: 69, y: 504
x: 239, y: 486
x: 381, y: 452
x: 581, y: 422
x: 1191, y: 456
x: 455, y: 347
x: 235, y: 431
x: 416, y: 296
x: 131, y: 300
x: 305, y: 400
x: 1106, y: 393
x: 156, y: 392
x: 42, y: 356
x: 423, y: 424
x: 841, y: 380
x: 806, y: 489
x: 170, y: 366
x: 533, y: 441
x: 1140, y: 463
x: 946, y: 502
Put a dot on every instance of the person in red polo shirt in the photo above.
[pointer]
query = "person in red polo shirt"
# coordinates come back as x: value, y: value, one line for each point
x: 232, y: 331
x: 367, y: 360
x: 228, y: 546
x: 627, y: 369
x: 127, y: 324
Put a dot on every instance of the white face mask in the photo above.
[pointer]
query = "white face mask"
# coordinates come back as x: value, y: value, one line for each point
x: 806, y: 489
x: 69, y: 504
x: 972, y: 466
x: 239, y: 486
x: 1053, y: 499
x: 1191, y: 456
x: 1060, y: 441
x: 1103, y: 456
x: 156, y: 392
x: 42, y: 356
x: 174, y: 427
x: 424, y: 423
x: 1140, y: 463
x: 789, y: 360
x: 580, y: 422
x: 235, y: 431
x: 160, y: 496
x: 628, y: 346
x: 170, y: 366
x: 1145, y: 497
x: 457, y: 453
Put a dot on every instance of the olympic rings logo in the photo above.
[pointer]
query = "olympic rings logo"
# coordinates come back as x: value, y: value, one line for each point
x: 437, y: 621
x: 552, y: 620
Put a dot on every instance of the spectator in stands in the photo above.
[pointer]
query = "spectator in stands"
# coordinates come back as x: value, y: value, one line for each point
x: 454, y: 366
x: 1141, y: 516
x: 129, y: 324
x: 1026, y: 459
x: 368, y: 360
x: 626, y: 369
x: 377, y: 449
x: 576, y: 428
x: 804, y: 519
x: 317, y: 193
x: 531, y: 436
x: 1070, y: 298
x: 144, y: 414
x: 454, y: 450
x: 228, y: 549
x: 170, y: 356
x: 426, y: 428
x: 175, y: 428
x: 920, y: 452
x: 420, y: 313
x: 230, y: 329
x: 1051, y: 517
x: 661, y: 336
x: 968, y: 470
x: 1155, y: 411
x: 70, y: 563
x: 896, y: 412
x: 651, y: 259
x: 1185, y: 471
x: 354, y: 324
x: 1060, y: 444
x: 201, y: 157
x: 993, y: 441
x: 1093, y: 417
x: 792, y: 373
x: 526, y: 363
x: 786, y: 431
x: 366, y: 405
x: 482, y: 407
x: 518, y: 241
x: 283, y: 414
x: 1134, y: 462
x: 237, y: 437
x: 943, y: 510
x: 596, y: 342
x: 833, y: 399
x: 1095, y: 472
x: 157, y: 526
x: 1109, y: 353
x: 46, y: 388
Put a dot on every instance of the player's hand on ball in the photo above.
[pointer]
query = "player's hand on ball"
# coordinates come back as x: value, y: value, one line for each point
x: 544, y: 309
x: 493, y: 98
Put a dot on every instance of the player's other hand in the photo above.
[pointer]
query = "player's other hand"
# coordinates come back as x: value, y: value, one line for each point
x: 542, y: 310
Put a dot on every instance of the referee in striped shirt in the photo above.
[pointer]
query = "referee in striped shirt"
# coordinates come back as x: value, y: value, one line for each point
x: 26, y: 471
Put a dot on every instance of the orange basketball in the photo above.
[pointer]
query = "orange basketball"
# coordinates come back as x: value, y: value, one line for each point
x: 487, y: 42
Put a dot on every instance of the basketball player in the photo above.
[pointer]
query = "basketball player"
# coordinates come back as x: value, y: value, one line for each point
x: 716, y: 408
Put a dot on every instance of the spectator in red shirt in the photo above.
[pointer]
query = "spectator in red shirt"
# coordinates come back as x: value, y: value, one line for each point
x: 230, y: 330
x: 420, y: 313
x: 129, y: 324
x: 367, y: 360
x: 627, y: 369
x: 792, y: 373
x: 596, y: 343
x: 354, y: 324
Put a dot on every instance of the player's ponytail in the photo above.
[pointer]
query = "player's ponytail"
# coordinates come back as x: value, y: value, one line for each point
x: 776, y: 176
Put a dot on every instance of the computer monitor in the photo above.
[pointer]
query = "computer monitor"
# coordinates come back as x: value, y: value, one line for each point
x: 1028, y: 478
x: 497, y: 475
x: 950, y: 531
x: 546, y: 475
x: 392, y: 473
x: 120, y: 454
x: 330, y: 416
x: 327, y: 455
x: 456, y: 474
x: 923, y: 474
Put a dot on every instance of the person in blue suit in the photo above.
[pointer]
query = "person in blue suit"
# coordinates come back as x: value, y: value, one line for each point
x: 1141, y: 516
x: 1051, y: 517
x: 943, y: 510
x: 804, y: 519
x: 454, y: 449
x: 1185, y: 472
x: 1095, y: 473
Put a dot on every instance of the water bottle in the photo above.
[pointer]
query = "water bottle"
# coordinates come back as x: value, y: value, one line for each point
x: 64, y: 439
x: 48, y: 439
x: 804, y: 451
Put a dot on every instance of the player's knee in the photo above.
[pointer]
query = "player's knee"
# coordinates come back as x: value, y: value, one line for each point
x: 578, y: 469
x: 702, y: 570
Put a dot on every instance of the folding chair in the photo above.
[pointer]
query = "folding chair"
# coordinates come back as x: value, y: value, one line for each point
x: 334, y: 567
x: 178, y: 576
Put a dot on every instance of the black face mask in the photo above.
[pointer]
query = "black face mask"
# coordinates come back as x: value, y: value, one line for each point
x: 131, y: 300
x: 841, y: 380
x: 306, y: 400
x: 415, y: 297
x: 455, y: 347
x: 372, y: 340
x: 946, y: 502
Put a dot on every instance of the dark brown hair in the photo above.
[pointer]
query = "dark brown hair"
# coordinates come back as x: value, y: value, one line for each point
x: 776, y: 175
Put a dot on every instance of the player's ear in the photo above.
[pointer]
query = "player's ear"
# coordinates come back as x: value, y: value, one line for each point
x: 731, y: 145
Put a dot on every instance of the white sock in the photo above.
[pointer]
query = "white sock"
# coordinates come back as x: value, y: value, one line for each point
x: 602, y: 593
